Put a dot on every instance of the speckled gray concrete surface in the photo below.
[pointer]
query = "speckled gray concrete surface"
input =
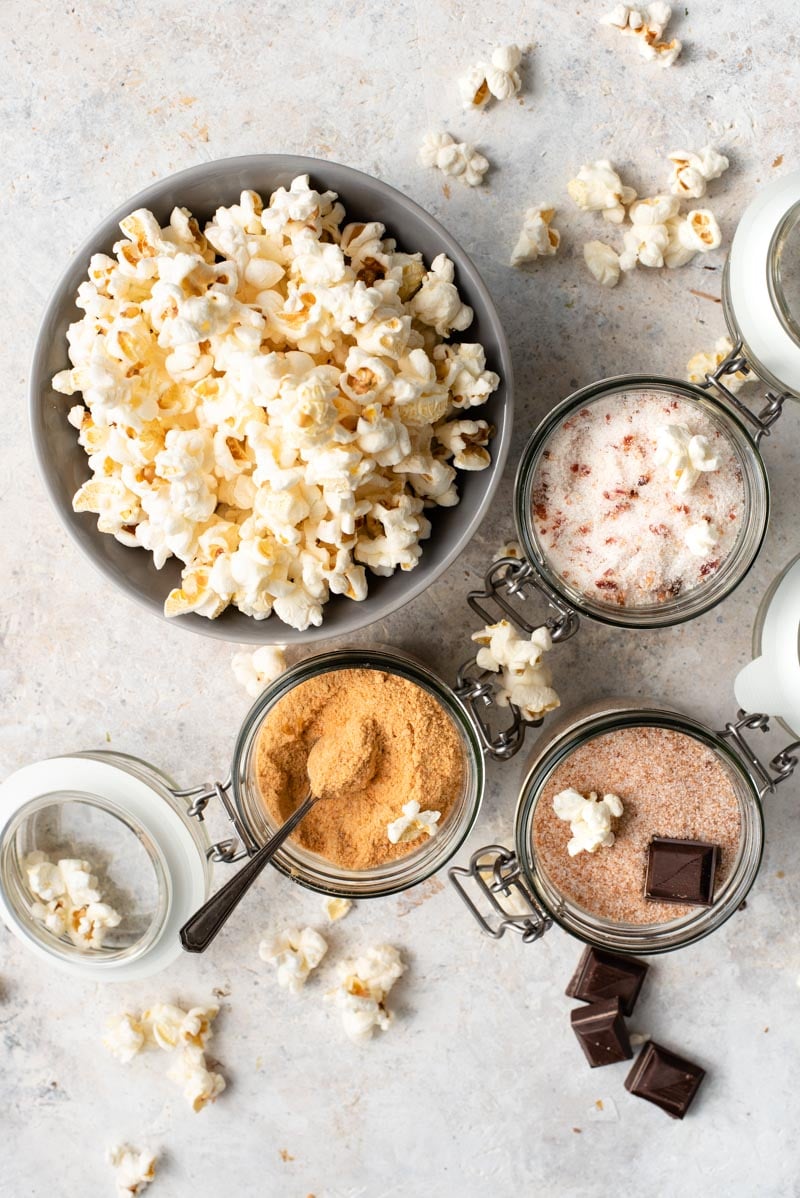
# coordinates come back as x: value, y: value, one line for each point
x: 479, y: 1089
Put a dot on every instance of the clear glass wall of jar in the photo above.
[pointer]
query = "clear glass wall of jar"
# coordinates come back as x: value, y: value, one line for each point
x: 699, y: 599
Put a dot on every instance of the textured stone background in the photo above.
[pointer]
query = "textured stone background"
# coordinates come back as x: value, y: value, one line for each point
x: 479, y: 1088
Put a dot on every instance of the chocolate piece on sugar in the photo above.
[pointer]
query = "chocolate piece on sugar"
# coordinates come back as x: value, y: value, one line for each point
x: 603, y: 975
x: 681, y: 871
x: 601, y: 1031
x: 665, y: 1079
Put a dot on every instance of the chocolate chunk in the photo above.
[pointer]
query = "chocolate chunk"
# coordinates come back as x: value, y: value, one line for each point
x: 664, y: 1078
x: 681, y: 871
x: 601, y: 1032
x: 601, y: 974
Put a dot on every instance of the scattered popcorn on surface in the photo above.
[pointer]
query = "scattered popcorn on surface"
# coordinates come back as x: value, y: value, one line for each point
x: 259, y: 399
x: 336, y: 908
x: 703, y: 363
x: 686, y: 457
x: 256, y: 670
x: 598, y: 188
x: 648, y: 238
x: 499, y: 78
x: 125, y: 1037
x: 171, y: 1028
x: 648, y: 27
x: 699, y: 231
x: 364, y: 984
x: 412, y: 824
x: 603, y: 262
x: 135, y: 1169
x: 537, y: 238
x: 200, y: 1084
x: 68, y: 900
x: 294, y: 953
x: 701, y: 538
x: 589, y: 819
x: 511, y: 549
x: 525, y: 682
x: 458, y: 159
x: 691, y: 173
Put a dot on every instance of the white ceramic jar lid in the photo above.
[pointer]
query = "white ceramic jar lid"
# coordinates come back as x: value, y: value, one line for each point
x: 771, y: 682
x: 771, y: 345
x: 165, y: 837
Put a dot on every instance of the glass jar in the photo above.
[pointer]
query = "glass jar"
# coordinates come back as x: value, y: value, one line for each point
x: 514, y: 890
x: 686, y: 605
x: 146, y: 840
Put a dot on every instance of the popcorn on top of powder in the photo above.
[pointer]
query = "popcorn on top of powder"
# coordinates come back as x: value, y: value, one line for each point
x: 590, y: 819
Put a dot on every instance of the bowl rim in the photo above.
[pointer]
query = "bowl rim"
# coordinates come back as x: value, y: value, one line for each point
x: 269, y: 630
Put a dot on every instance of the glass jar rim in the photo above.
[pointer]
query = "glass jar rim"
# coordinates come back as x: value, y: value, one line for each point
x: 402, y: 872
x: 639, y: 938
x: 739, y: 562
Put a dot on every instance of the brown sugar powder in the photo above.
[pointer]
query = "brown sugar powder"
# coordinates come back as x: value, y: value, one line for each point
x: 418, y: 756
x: 670, y: 785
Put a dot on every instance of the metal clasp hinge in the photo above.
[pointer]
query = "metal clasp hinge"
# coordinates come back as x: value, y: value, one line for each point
x: 782, y: 765
x: 233, y: 848
x: 507, y: 578
x: 736, y: 363
x: 496, y: 871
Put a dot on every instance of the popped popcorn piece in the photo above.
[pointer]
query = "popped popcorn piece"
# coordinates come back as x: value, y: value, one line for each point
x: 603, y: 262
x: 200, y: 1084
x: 706, y: 362
x: 701, y: 538
x: 499, y: 78
x: 79, y: 881
x: 364, y: 985
x: 259, y: 399
x: 135, y: 1169
x: 412, y: 824
x: 699, y: 231
x: 589, y: 819
x: 525, y: 681
x: 125, y: 1036
x: 45, y: 880
x: 255, y: 671
x: 685, y: 456
x: 458, y: 159
x: 511, y: 549
x: 294, y: 953
x: 466, y: 441
x: 537, y: 238
x: 86, y: 926
x: 336, y: 908
x: 71, y: 902
x: 648, y: 238
x: 598, y: 188
x: 648, y: 27
x: 691, y: 173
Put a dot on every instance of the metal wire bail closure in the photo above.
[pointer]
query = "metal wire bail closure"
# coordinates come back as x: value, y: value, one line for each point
x: 766, y: 776
x: 737, y: 363
x: 233, y: 848
x: 496, y: 872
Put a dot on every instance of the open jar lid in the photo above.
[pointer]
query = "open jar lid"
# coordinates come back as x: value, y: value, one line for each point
x: 762, y: 284
x: 133, y: 864
x: 771, y: 681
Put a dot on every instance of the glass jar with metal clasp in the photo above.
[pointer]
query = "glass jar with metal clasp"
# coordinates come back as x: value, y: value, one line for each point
x: 761, y: 299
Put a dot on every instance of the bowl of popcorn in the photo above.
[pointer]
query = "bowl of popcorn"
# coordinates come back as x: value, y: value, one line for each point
x: 271, y: 399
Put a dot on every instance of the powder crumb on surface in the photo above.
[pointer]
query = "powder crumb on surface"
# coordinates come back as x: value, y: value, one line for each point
x: 670, y: 785
x: 607, y: 518
x: 419, y: 756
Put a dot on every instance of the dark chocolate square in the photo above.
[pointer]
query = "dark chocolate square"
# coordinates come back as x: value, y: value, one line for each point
x: 681, y: 871
x: 664, y: 1078
x: 601, y: 974
x: 601, y: 1031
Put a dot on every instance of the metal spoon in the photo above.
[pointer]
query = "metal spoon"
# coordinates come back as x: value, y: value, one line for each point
x: 198, y: 931
x: 356, y: 756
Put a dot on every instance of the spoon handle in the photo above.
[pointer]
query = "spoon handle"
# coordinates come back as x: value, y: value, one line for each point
x: 198, y: 931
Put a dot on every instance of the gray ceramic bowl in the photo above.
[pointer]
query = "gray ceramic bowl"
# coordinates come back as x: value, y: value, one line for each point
x: 202, y: 189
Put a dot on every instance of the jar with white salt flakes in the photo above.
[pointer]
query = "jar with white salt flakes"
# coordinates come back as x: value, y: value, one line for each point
x: 642, y: 501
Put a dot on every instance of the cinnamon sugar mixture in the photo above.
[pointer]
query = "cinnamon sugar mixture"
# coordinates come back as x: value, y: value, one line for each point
x: 415, y: 753
x: 607, y: 518
x: 670, y: 785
